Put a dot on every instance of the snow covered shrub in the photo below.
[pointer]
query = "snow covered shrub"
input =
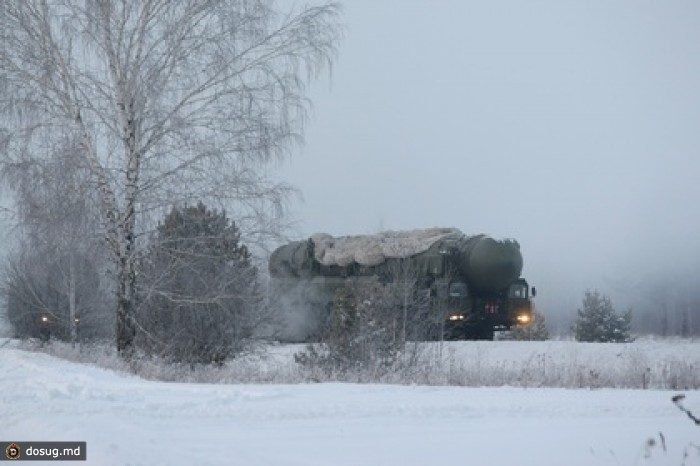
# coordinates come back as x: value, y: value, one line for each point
x: 199, y: 298
x: 367, y: 333
x: 598, y: 321
x: 374, y: 327
x: 360, y: 334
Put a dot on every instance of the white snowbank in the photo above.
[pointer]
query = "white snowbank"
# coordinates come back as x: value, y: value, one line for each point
x: 374, y: 249
x: 128, y: 421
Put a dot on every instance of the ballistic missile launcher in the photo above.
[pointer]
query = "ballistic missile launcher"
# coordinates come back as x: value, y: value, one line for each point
x: 473, y: 282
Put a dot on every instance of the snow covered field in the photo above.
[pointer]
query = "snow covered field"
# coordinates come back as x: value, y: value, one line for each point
x: 128, y: 420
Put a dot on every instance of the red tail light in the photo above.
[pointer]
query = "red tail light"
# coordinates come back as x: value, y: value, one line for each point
x: 491, y: 308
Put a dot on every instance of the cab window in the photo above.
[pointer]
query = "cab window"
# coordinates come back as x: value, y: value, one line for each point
x: 518, y: 291
x: 458, y: 290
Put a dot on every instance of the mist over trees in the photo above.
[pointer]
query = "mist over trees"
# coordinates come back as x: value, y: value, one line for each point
x: 158, y: 103
x: 665, y: 300
x: 669, y: 306
x: 56, y: 271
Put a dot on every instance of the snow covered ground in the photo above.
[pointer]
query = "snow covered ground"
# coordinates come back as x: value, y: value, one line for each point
x: 126, y: 420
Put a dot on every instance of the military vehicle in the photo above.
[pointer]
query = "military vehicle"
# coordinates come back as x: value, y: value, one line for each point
x: 473, y: 282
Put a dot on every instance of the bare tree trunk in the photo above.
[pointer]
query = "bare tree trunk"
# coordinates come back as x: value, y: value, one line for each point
x: 405, y: 312
x: 72, y: 314
x: 126, y: 282
x: 125, y: 330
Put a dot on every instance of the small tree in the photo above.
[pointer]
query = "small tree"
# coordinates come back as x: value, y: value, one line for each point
x: 363, y: 333
x: 597, y: 321
x: 535, y: 330
x: 403, y: 285
x: 200, y: 299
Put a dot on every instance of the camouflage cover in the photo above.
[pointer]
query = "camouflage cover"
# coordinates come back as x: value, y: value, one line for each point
x: 479, y: 260
x: 370, y: 250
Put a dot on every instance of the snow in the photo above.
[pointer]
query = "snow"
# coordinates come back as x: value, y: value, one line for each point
x: 126, y: 420
x: 374, y: 249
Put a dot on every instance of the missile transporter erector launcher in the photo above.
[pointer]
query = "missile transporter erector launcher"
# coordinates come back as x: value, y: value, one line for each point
x: 473, y: 282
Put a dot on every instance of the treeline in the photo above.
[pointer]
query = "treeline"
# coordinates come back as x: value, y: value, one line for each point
x: 667, y: 307
x: 663, y: 307
x: 116, y: 119
x: 199, y: 296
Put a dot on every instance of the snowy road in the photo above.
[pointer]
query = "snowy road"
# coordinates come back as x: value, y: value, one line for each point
x: 126, y: 420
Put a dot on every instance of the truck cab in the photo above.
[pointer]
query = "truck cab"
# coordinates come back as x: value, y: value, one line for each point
x: 477, y: 315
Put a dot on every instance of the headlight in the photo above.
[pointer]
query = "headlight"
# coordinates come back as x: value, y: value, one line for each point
x: 523, y: 318
x: 454, y: 317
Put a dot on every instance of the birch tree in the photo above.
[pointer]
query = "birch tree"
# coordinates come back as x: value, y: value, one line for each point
x: 57, y: 223
x: 171, y: 101
x: 408, y: 290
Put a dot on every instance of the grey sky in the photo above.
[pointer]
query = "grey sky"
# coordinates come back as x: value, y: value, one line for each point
x: 572, y: 126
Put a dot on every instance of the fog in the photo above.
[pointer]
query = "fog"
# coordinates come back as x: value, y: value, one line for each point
x: 569, y: 126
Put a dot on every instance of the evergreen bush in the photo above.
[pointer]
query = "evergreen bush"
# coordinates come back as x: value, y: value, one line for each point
x: 597, y: 320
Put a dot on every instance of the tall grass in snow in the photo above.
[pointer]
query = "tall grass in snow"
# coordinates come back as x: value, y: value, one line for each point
x: 647, y: 364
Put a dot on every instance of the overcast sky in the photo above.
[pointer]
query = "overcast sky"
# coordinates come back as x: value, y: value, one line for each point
x: 571, y: 126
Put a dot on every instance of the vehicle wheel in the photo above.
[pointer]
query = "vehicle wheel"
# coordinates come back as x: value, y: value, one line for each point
x: 481, y: 332
x: 485, y: 333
